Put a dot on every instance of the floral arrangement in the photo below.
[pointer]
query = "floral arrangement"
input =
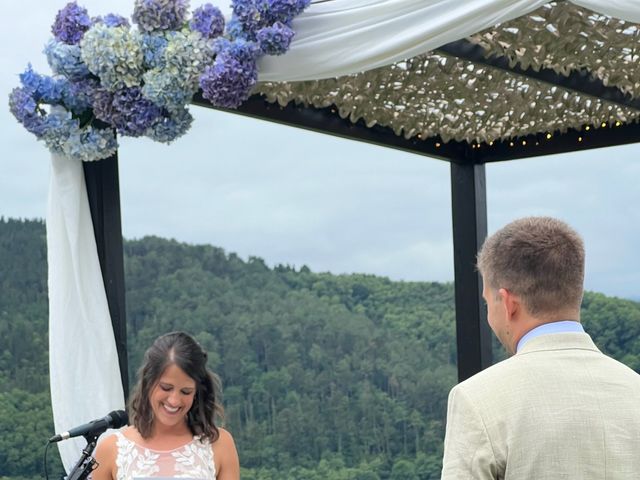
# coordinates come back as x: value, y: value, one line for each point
x: 110, y: 77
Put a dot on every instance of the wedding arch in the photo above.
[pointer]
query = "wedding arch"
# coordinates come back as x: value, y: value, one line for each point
x: 466, y: 82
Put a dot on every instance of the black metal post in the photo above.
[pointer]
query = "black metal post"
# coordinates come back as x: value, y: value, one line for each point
x: 103, y: 190
x: 469, y: 211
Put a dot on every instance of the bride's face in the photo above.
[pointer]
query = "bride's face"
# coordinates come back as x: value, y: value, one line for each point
x: 171, y: 398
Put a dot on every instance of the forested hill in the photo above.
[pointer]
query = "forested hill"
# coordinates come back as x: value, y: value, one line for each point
x: 325, y: 377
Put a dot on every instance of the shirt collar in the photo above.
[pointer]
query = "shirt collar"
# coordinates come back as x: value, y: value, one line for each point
x: 563, y: 326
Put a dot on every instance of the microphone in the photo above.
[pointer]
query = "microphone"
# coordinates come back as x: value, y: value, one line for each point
x: 115, y: 419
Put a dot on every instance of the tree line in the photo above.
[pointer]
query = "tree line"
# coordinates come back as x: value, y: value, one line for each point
x: 325, y: 376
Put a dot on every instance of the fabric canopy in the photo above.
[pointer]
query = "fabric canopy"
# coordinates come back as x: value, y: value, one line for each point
x: 83, y: 361
x: 342, y: 37
x: 439, y: 96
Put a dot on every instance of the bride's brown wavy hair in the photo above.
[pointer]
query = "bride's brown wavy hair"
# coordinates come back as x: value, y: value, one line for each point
x: 180, y: 349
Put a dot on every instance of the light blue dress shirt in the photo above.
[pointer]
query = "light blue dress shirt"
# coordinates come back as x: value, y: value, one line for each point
x: 564, y: 326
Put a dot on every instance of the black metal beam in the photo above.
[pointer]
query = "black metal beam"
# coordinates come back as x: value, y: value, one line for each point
x: 469, y: 213
x: 103, y: 189
x: 580, y: 81
x: 554, y: 143
x: 327, y: 121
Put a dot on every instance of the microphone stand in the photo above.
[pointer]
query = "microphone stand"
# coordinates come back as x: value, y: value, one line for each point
x: 87, y: 463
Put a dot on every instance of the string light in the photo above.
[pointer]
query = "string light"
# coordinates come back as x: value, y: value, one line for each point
x: 549, y: 136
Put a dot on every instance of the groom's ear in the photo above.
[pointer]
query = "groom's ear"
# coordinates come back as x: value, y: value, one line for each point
x: 510, y: 302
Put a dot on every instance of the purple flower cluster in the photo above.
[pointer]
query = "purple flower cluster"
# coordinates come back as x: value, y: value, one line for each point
x: 152, y: 15
x: 275, y: 40
x: 248, y: 15
x: 111, y: 78
x: 26, y: 110
x: 283, y: 11
x: 112, y: 20
x: 127, y: 110
x: 132, y: 113
x: 208, y: 20
x: 255, y: 15
x: 78, y: 96
x: 71, y: 23
x: 243, y: 50
x: 229, y: 81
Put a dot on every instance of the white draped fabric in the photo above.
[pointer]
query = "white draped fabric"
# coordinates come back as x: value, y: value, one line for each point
x: 83, y: 361
x: 341, y: 37
x: 333, y: 38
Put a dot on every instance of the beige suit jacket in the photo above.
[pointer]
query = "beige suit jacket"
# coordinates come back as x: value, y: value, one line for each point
x: 558, y: 409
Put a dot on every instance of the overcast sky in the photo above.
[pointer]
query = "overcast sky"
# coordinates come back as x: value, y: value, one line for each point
x: 301, y: 198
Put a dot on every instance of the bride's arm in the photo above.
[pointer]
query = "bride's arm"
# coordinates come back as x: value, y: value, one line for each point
x: 226, y: 457
x: 105, y: 455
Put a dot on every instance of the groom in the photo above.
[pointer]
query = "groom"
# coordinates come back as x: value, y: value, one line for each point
x: 558, y: 408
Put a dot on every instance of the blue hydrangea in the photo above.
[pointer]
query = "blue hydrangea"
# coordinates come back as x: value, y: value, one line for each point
x: 112, y: 20
x: 254, y: 15
x: 65, y: 60
x: 241, y: 49
x: 153, y: 15
x: 282, y: 11
x: 133, y: 114
x: 166, y: 90
x: 26, y: 110
x: 43, y: 87
x: 59, y: 125
x: 171, y: 126
x: 139, y: 82
x: 21, y: 103
x: 78, y: 96
x: 208, y: 20
x: 229, y: 81
x: 234, y: 29
x: 249, y: 16
x: 275, y: 40
x: 102, y: 103
x: 71, y: 23
x: 186, y: 55
x: 153, y: 49
x: 90, y: 144
x: 114, y: 55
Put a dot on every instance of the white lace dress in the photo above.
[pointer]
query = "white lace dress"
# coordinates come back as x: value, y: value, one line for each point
x: 193, y: 460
